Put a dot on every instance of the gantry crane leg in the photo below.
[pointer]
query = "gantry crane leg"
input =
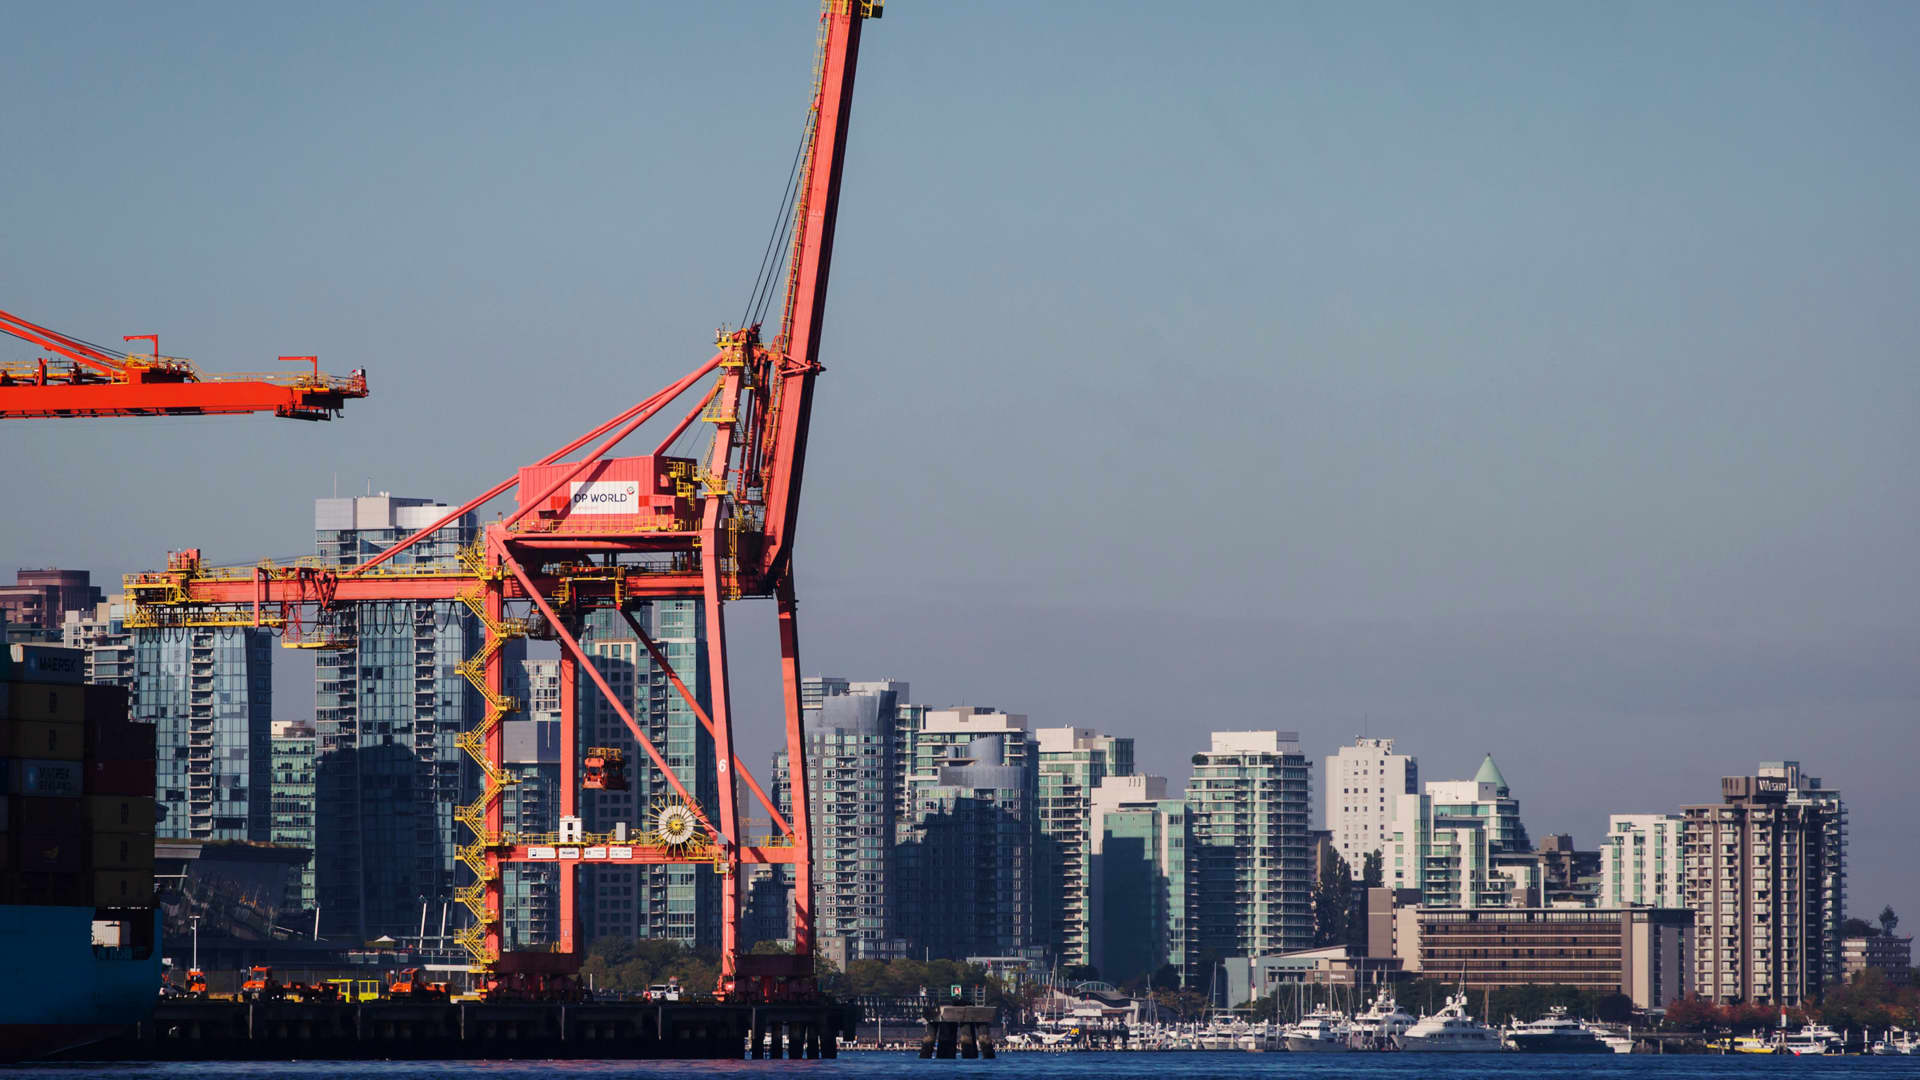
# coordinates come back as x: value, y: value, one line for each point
x: 801, y: 821
x: 713, y: 600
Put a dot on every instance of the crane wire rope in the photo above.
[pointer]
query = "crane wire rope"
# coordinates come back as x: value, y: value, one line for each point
x: 776, y: 237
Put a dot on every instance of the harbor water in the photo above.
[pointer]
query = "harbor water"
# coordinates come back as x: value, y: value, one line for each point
x: 1064, y: 1066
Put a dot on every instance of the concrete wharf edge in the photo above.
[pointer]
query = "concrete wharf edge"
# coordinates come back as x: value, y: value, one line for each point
x: 424, y: 1031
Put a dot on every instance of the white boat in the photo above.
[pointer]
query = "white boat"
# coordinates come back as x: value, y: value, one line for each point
x: 1555, y: 1033
x: 1897, y: 1044
x: 1814, y: 1040
x: 1451, y: 1031
x: 1617, y: 1041
x: 1381, y: 1026
x: 1318, y: 1032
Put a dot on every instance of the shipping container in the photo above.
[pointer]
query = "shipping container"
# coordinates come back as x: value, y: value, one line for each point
x: 43, y: 701
x: 123, y: 851
x: 120, y: 777
x: 41, y: 778
x: 21, y: 886
x: 128, y: 813
x: 119, y: 739
x: 122, y: 887
x: 47, y: 664
x: 108, y: 703
x: 634, y: 494
x: 41, y: 739
x: 46, y: 844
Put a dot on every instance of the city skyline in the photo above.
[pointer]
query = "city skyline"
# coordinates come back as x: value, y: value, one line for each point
x: 1567, y: 380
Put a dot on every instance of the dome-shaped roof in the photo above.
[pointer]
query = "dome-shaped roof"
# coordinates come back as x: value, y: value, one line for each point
x: 1490, y: 774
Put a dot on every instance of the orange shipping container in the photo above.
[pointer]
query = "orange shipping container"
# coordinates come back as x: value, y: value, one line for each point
x: 120, y: 813
x: 122, y: 851
x: 43, y: 701
x: 43, y: 739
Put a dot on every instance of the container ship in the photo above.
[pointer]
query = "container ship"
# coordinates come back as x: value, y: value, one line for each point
x: 78, y: 925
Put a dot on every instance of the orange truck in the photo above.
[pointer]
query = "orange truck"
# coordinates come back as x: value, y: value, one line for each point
x: 413, y: 986
x: 260, y: 985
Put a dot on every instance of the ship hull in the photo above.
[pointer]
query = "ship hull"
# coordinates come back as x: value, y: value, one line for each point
x: 59, y: 991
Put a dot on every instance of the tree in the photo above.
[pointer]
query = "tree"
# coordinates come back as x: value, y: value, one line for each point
x: 1373, y: 870
x: 1888, y: 920
x: 1081, y: 973
x: 1332, y: 899
x: 1692, y: 1014
x: 1858, y: 927
x: 1167, y: 978
x: 1613, y: 1008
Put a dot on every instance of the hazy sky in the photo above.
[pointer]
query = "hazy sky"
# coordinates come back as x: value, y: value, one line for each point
x: 1536, y: 378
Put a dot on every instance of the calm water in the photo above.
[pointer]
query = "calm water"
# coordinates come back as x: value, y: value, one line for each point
x: 1094, y: 1066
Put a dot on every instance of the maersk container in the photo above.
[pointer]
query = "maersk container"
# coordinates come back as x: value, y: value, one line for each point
x: 106, y: 777
x: 128, y: 813
x: 636, y: 494
x: 41, y: 778
x: 49, y: 844
x: 41, y: 739
x: 123, y: 851
x: 47, y: 664
x: 42, y: 701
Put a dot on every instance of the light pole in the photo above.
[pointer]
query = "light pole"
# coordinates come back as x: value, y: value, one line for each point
x: 195, y: 920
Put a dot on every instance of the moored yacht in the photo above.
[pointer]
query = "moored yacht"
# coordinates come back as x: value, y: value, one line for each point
x: 1381, y: 1026
x: 1318, y: 1032
x: 1450, y: 1031
x: 1812, y: 1041
x: 1555, y: 1033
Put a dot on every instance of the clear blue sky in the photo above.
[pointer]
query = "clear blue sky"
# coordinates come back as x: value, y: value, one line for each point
x: 1536, y: 378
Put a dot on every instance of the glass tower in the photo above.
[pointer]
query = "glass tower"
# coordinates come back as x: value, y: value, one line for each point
x: 209, y: 694
x: 1249, y: 872
x: 389, y: 701
x: 679, y: 902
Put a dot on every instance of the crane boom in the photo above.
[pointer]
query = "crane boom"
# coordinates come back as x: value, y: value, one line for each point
x: 99, y: 382
x: 816, y: 210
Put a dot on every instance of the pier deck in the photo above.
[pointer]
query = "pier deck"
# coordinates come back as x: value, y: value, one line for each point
x: 237, y: 1031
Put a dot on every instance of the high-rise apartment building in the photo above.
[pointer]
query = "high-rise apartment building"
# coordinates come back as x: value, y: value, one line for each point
x: 681, y: 902
x: 389, y: 701
x: 1641, y: 863
x: 1071, y: 762
x: 530, y: 893
x: 851, y: 771
x: 1756, y: 879
x: 968, y: 880
x: 1460, y: 843
x: 1808, y: 790
x: 1139, y: 872
x: 292, y: 820
x: 208, y: 691
x: 41, y: 599
x: 1249, y: 878
x: 103, y: 635
x: 1365, y: 785
x: 817, y: 688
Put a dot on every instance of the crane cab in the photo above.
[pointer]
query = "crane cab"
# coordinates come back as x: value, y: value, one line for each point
x: 604, y: 769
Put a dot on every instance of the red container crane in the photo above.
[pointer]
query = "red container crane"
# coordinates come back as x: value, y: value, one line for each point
x: 594, y: 532
x: 92, y: 381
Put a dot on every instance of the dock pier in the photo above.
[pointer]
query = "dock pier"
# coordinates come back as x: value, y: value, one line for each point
x: 424, y: 1031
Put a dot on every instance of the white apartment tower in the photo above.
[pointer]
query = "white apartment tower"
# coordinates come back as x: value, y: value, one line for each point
x: 1366, y: 783
x: 1756, y: 879
x: 1640, y: 862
